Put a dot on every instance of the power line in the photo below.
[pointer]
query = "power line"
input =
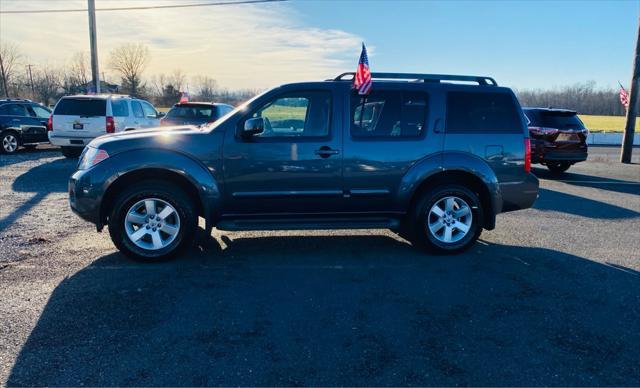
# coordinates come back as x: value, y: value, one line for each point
x: 143, y: 7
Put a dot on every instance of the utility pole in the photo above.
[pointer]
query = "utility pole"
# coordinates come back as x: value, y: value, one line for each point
x: 33, y: 91
x: 632, y: 110
x: 95, y: 74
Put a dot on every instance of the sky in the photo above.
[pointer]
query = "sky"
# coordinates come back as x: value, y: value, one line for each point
x: 522, y: 44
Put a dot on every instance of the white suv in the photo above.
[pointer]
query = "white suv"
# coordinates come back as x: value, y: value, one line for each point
x: 76, y: 120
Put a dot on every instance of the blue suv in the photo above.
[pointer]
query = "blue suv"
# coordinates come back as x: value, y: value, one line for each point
x: 433, y: 157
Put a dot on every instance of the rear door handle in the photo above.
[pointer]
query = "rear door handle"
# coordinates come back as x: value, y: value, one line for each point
x: 326, y: 151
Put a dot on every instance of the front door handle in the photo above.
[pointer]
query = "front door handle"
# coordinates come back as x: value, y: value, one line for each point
x: 326, y: 151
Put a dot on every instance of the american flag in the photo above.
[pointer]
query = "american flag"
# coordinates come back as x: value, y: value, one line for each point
x: 184, y: 97
x: 362, y: 80
x: 624, y: 96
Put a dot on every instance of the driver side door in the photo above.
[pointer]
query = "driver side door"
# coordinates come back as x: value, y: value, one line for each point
x: 294, y: 165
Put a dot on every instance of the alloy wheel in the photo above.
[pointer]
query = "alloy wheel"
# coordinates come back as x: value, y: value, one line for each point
x: 152, y: 224
x: 449, y: 219
x: 9, y: 143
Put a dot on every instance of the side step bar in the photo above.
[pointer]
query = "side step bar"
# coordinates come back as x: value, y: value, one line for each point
x: 308, y: 224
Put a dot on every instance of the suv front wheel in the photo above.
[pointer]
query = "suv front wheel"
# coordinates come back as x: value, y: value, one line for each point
x: 152, y: 221
x: 447, y: 219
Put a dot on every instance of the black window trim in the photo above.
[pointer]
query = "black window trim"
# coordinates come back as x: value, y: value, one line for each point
x: 287, y: 139
x: 422, y: 134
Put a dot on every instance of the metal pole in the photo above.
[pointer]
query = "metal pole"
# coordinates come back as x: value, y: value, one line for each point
x: 33, y: 92
x: 632, y: 110
x: 95, y: 74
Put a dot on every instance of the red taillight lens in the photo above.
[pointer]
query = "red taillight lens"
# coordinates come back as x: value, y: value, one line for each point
x: 527, y: 155
x: 111, y: 125
x: 50, y: 123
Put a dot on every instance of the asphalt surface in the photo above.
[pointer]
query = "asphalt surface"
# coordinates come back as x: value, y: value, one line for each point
x: 551, y: 297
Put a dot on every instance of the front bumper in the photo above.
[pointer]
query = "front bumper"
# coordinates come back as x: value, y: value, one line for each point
x: 85, y: 197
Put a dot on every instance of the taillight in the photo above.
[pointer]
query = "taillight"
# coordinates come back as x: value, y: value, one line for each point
x: 50, y: 123
x: 527, y: 155
x: 111, y: 125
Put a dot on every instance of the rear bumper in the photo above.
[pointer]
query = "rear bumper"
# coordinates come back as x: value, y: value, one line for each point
x: 69, y: 141
x: 519, y: 195
x: 542, y: 151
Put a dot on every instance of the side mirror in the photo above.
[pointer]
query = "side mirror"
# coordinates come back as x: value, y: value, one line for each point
x: 253, y: 126
x: 160, y: 115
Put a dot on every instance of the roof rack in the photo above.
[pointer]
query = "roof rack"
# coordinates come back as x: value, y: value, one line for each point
x: 481, y: 80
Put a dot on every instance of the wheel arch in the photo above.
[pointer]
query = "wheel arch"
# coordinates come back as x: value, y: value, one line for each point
x: 174, y: 168
x: 454, y: 168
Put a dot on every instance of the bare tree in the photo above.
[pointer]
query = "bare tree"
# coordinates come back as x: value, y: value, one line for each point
x: 129, y: 61
x: 76, y: 74
x: 206, y: 87
x: 48, y: 84
x: 9, y: 58
x: 177, y: 79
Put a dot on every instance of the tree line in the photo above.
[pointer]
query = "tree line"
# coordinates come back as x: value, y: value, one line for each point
x: 585, y: 98
x: 127, y: 65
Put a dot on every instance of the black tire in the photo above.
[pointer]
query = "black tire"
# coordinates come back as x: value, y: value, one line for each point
x: 9, y: 140
x: 558, y: 167
x: 71, y: 152
x: 422, y: 237
x: 174, y: 196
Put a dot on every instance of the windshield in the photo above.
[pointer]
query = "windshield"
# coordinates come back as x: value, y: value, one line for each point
x: 240, y: 108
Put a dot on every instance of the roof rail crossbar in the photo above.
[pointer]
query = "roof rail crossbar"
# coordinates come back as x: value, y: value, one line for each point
x: 481, y: 80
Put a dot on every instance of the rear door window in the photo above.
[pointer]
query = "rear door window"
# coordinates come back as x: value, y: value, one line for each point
x: 81, y: 107
x: 388, y: 113
x: 120, y: 108
x: 473, y: 112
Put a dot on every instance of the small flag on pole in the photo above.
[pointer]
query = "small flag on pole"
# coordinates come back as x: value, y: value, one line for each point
x: 362, y: 80
x: 624, y: 96
x: 184, y: 97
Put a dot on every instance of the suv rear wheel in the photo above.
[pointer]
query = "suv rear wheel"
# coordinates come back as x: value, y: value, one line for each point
x: 447, y: 219
x: 558, y: 167
x: 152, y: 221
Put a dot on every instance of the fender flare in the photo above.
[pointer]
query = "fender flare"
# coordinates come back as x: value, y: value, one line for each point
x: 191, y: 170
x: 450, y: 161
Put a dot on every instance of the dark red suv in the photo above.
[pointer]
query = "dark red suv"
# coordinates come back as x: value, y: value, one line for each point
x: 558, y: 138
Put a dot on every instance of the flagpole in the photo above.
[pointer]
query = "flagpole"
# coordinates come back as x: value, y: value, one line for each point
x: 632, y: 109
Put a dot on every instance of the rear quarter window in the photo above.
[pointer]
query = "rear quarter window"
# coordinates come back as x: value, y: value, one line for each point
x: 473, y: 112
x: 81, y: 107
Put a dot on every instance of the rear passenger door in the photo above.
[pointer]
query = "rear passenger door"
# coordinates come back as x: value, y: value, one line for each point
x: 385, y: 134
x: 139, y: 121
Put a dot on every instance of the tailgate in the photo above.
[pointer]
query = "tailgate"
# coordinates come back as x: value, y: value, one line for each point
x: 80, y: 117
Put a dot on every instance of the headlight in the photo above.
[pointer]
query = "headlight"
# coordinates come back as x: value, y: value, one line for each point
x: 91, y: 157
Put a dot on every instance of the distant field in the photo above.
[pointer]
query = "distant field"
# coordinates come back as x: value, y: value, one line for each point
x: 606, y: 123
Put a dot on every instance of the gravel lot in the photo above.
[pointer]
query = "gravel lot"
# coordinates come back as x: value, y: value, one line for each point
x: 551, y: 297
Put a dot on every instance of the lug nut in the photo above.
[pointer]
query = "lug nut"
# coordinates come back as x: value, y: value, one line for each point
x: 148, y: 226
x: 154, y: 229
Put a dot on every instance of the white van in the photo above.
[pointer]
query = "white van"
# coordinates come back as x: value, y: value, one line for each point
x: 76, y: 120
